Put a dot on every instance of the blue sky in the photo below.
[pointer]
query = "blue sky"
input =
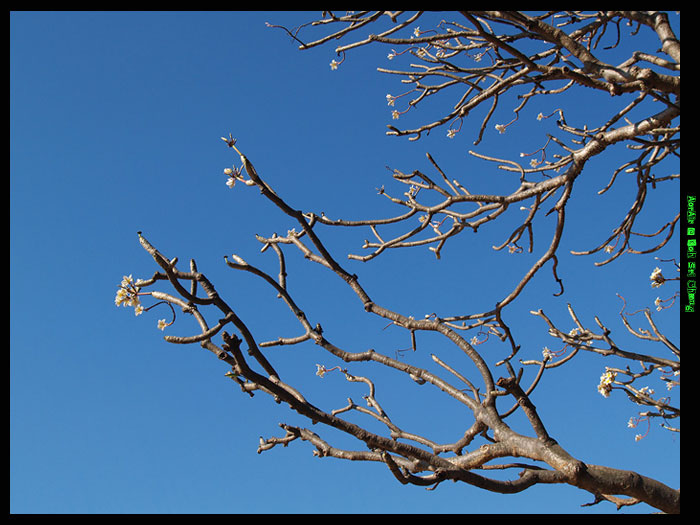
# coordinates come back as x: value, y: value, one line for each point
x: 115, y: 119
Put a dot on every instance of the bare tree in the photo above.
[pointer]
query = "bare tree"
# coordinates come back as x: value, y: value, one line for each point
x: 476, y: 58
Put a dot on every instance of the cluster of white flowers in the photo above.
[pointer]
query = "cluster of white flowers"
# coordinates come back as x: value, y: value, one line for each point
x: 231, y: 181
x: 656, y: 278
x: 235, y: 174
x: 605, y: 385
x: 127, y: 295
x: 547, y: 353
x: 647, y: 391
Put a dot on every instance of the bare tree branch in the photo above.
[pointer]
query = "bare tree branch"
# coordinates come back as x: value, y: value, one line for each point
x: 479, y: 57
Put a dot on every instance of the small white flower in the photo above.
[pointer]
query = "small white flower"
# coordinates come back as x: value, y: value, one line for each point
x: 334, y: 65
x: 416, y: 31
x: 540, y: 116
x: 657, y: 279
x: 501, y: 128
x: 395, y: 115
x: 390, y: 100
x: 122, y: 295
x: 606, y: 380
x: 657, y: 302
x: 231, y: 182
x: 162, y: 324
x: 228, y: 171
x: 127, y: 293
x: 391, y: 56
x: 451, y: 133
x: 320, y: 370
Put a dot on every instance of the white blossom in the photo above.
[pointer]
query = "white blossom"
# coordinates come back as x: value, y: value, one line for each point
x: 657, y: 279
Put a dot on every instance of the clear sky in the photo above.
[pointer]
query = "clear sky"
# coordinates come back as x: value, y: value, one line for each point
x: 115, y: 122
